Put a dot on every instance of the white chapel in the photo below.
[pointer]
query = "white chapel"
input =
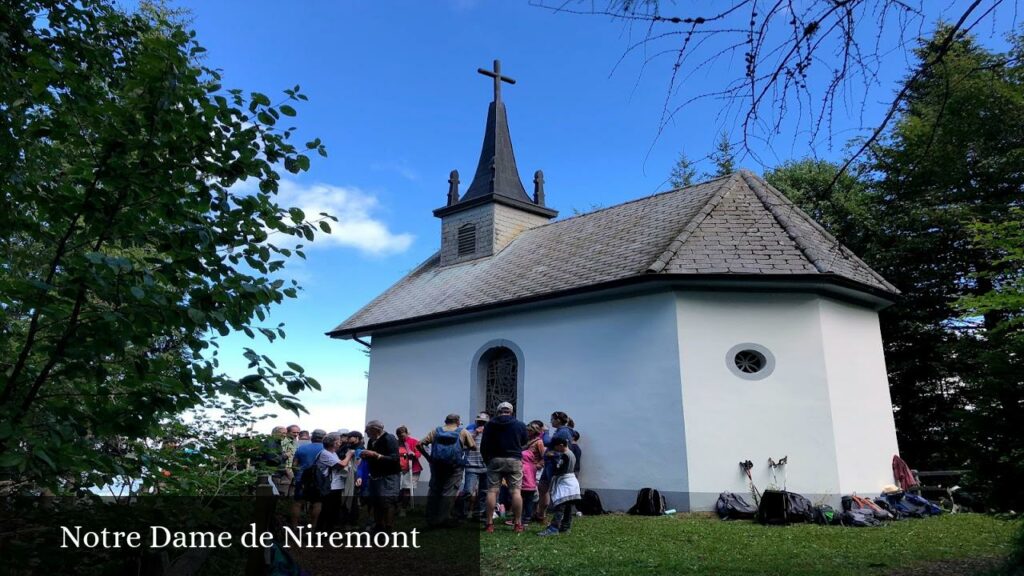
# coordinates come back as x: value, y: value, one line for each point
x: 684, y: 332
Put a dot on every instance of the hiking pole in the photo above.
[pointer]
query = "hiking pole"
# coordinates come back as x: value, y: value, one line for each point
x: 747, y: 466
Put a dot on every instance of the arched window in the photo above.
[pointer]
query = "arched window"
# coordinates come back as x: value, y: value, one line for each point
x: 497, y: 371
x: 501, y: 378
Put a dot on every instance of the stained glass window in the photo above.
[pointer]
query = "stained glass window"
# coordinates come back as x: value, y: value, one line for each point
x: 502, y: 378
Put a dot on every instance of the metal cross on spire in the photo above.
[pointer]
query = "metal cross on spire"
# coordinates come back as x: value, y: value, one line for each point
x: 498, y: 79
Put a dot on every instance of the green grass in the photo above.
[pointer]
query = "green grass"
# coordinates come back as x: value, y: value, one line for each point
x: 698, y: 544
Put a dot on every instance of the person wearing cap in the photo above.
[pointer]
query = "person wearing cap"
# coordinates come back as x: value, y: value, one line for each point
x: 305, y: 456
x: 445, y: 475
x: 502, y: 446
x: 470, y: 501
x: 381, y: 455
x: 332, y: 466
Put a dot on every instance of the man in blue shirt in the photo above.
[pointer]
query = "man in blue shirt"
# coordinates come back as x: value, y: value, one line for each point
x: 305, y: 456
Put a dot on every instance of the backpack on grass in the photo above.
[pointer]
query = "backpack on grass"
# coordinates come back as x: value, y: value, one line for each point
x: 774, y: 508
x: 590, y: 504
x: 860, y: 518
x: 800, y: 508
x: 826, y: 515
x: 733, y: 507
x: 649, y: 502
x: 921, y: 504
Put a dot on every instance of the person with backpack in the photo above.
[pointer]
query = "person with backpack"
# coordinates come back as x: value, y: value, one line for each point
x: 331, y: 473
x: 449, y: 445
x: 502, y: 448
x: 565, y: 489
x: 305, y: 457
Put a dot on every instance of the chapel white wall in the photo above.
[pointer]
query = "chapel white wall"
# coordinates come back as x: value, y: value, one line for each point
x: 826, y: 405
x: 729, y: 419
x: 612, y: 365
x: 865, y: 430
x: 647, y: 380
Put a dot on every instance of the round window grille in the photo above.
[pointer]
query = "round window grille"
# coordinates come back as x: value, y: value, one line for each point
x: 750, y: 361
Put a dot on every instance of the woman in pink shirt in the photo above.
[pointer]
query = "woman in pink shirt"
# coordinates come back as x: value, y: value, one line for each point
x: 533, y: 456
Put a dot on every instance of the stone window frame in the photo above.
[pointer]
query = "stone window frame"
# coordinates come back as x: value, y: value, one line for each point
x: 764, y: 372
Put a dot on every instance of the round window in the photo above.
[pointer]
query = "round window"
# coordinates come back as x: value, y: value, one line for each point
x: 750, y: 361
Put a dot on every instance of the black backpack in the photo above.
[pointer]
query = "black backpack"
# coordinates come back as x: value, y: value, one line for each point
x: 733, y: 507
x: 860, y: 518
x: 590, y: 504
x: 774, y: 507
x: 800, y: 508
x: 309, y: 481
x: 649, y: 502
x: 826, y: 515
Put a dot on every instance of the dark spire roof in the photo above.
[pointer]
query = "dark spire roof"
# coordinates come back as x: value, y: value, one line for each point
x: 496, y: 172
x: 497, y: 177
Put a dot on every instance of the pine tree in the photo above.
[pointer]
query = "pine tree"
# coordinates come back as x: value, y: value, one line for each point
x: 723, y: 156
x: 684, y: 173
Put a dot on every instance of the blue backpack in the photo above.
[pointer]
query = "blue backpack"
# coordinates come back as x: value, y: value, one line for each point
x: 447, y: 447
x: 911, y: 505
x: 922, y: 505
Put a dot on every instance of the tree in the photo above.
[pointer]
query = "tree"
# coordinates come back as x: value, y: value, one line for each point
x: 684, y: 173
x: 723, y: 156
x: 937, y: 212
x: 128, y: 244
x: 801, y: 61
x: 996, y: 395
x: 950, y: 176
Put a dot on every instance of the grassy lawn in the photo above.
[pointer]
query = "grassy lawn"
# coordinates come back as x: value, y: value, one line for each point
x: 699, y: 544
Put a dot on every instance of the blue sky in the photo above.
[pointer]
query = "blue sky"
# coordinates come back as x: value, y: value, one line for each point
x: 395, y: 96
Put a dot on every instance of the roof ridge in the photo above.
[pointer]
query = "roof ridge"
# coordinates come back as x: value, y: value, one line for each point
x: 756, y: 186
x: 761, y: 188
x: 633, y: 201
x: 673, y: 247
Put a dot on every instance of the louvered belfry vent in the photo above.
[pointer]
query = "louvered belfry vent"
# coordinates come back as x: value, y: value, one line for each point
x: 467, y: 239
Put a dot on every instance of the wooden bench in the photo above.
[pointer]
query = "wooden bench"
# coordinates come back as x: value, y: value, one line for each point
x: 938, y: 485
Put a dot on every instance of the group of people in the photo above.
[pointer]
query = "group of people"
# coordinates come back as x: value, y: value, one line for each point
x: 494, y: 465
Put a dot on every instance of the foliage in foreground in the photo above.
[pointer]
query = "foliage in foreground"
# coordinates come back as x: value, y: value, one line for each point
x: 128, y: 239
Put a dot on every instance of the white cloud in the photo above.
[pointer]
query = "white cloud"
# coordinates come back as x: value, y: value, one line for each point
x: 400, y: 168
x: 357, y: 227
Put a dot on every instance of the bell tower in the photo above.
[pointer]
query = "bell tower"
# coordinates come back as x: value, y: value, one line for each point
x: 495, y: 207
